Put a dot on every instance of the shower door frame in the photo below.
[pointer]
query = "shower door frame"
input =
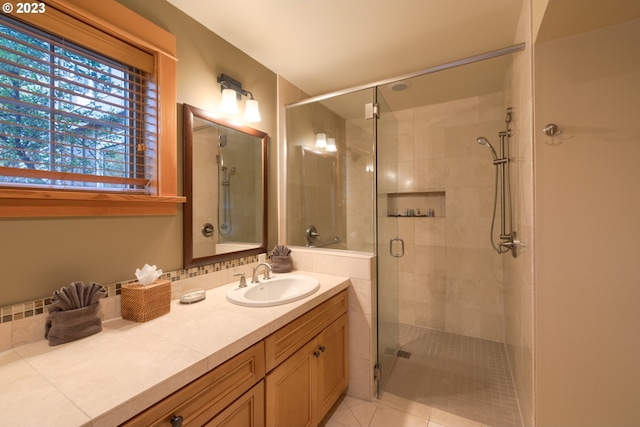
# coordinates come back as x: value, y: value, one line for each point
x: 387, y: 245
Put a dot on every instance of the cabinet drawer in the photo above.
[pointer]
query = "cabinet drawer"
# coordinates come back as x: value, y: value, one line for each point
x: 247, y: 411
x: 203, y: 398
x: 288, y: 339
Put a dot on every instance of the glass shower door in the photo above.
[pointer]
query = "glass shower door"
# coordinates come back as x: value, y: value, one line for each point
x: 390, y: 246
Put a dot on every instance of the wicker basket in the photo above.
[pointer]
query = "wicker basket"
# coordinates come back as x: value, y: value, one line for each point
x: 143, y: 303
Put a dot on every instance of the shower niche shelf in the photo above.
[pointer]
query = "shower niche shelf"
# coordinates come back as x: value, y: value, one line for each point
x: 420, y: 201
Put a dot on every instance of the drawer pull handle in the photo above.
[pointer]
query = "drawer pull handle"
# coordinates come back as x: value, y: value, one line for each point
x: 316, y: 354
x: 176, y: 421
x: 322, y: 349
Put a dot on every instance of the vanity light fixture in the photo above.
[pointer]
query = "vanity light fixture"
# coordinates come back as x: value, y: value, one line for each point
x: 232, y: 92
x: 321, y: 140
x: 251, y: 110
x: 326, y: 144
x: 229, y: 104
x: 331, y: 145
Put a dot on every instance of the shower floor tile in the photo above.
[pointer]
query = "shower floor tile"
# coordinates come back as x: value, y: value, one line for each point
x: 465, y: 376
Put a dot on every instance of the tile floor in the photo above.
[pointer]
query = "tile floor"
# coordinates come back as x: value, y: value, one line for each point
x: 391, y: 411
x: 462, y: 375
x: 448, y: 380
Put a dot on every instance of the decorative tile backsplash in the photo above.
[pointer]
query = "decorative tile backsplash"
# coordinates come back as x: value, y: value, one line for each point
x: 32, y: 308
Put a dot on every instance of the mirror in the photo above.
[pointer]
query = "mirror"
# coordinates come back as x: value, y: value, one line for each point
x: 225, y: 183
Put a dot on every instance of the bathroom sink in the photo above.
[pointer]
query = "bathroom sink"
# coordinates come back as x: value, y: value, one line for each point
x: 275, y: 291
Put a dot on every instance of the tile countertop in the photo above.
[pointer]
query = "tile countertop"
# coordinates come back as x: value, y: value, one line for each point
x: 107, y: 378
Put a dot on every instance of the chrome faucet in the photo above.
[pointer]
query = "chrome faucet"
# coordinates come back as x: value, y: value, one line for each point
x: 267, y: 272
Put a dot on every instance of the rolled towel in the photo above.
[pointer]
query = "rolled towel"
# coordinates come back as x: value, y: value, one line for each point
x: 69, y: 325
x: 74, y: 313
x: 281, y: 250
x: 96, y: 291
x: 60, y: 301
x: 80, y: 291
x: 77, y: 295
x: 71, y: 292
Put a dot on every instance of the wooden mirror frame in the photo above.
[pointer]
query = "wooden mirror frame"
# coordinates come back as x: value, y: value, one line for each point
x: 189, y: 112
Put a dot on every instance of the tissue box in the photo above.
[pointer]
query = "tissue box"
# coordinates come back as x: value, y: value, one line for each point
x: 142, y: 303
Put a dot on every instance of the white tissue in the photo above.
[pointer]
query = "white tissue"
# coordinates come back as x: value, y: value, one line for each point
x: 148, y: 274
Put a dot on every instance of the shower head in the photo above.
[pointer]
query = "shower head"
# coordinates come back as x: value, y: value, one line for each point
x: 484, y: 141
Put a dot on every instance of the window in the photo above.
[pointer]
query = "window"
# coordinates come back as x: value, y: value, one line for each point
x: 71, y: 118
x: 80, y: 118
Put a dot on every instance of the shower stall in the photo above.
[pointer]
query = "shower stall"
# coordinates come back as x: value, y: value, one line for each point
x: 408, y: 183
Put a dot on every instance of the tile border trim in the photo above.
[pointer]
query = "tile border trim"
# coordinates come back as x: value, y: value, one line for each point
x: 26, y: 309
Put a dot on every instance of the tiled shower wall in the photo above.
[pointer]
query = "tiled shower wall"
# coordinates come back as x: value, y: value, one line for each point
x: 360, y: 268
x: 450, y: 278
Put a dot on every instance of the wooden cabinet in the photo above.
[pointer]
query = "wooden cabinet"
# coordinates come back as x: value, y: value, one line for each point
x: 291, y: 390
x: 333, y: 364
x: 287, y: 340
x: 301, y: 389
x: 308, y: 370
x: 200, y: 401
x: 246, y: 411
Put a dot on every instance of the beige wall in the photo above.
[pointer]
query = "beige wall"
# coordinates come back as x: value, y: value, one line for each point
x: 41, y: 255
x: 587, y: 210
x: 288, y: 93
x: 518, y: 272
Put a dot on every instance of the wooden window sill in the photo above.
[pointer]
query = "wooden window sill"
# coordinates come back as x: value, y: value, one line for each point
x: 42, y: 203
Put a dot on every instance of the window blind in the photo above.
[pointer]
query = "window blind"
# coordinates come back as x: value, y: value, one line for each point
x: 71, y: 117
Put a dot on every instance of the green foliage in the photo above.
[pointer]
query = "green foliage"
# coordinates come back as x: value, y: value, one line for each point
x: 63, y: 109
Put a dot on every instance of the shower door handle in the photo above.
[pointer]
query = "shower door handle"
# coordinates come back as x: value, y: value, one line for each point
x: 396, y: 254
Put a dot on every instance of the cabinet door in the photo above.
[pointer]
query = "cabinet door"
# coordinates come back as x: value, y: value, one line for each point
x: 246, y: 411
x: 333, y: 364
x: 291, y: 390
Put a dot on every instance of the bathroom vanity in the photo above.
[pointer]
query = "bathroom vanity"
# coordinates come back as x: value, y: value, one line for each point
x: 291, y: 378
x: 210, y: 363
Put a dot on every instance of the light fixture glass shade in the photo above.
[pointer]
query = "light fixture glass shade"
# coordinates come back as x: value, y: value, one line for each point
x: 331, y: 145
x: 321, y: 140
x: 229, y: 104
x: 251, y: 111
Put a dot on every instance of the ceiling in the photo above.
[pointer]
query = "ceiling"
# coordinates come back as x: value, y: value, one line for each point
x: 563, y: 18
x: 323, y: 46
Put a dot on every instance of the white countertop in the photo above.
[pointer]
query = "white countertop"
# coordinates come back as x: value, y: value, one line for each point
x: 107, y: 378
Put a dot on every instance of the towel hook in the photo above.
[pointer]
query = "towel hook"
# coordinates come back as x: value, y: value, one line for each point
x: 551, y: 130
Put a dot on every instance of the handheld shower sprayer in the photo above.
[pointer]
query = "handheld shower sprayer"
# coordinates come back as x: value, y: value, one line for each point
x: 484, y: 141
x: 507, y: 241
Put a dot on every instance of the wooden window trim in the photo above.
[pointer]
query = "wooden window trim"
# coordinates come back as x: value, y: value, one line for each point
x: 113, y: 18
